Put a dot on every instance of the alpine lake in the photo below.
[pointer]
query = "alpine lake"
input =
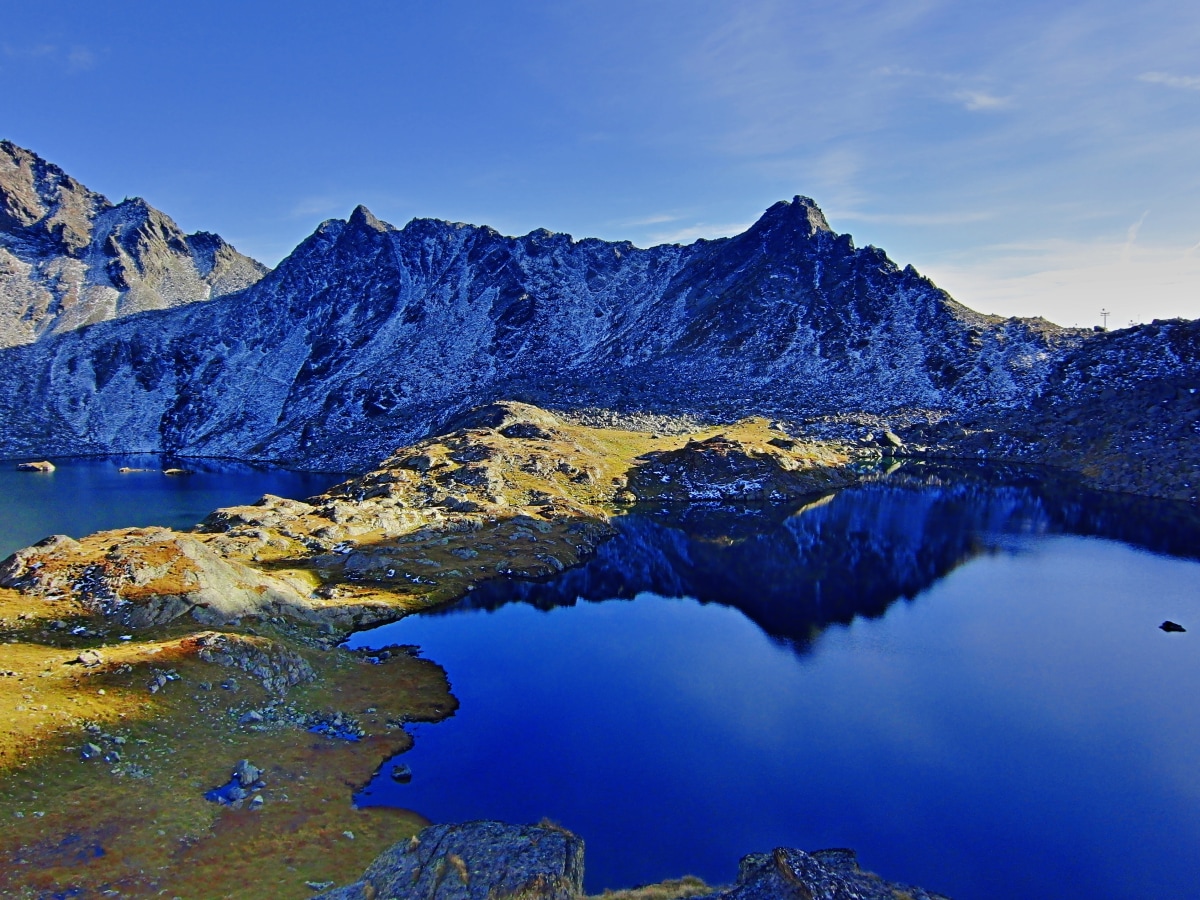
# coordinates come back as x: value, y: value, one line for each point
x: 958, y: 672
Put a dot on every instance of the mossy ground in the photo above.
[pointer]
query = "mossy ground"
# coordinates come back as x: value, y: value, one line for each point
x: 140, y: 824
x: 672, y: 889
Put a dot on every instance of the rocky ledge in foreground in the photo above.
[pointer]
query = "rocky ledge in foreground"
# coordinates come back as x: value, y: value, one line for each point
x: 494, y: 861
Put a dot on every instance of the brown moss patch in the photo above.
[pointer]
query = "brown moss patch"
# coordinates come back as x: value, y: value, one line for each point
x: 671, y: 889
x: 138, y: 822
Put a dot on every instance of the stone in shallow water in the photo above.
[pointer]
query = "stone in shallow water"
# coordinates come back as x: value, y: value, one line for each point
x: 401, y: 773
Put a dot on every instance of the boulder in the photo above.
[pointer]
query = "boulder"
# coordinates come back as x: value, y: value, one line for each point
x: 475, y: 861
x: 40, y: 466
x: 788, y: 874
x: 495, y: 861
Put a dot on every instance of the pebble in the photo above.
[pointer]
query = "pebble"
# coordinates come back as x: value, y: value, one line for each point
x: 89, y: 658
x: 246, y: 772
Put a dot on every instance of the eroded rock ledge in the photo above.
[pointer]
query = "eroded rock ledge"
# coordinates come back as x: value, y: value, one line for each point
x: 495, y: 861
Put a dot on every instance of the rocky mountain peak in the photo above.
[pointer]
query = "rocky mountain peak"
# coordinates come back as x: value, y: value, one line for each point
x: 42, y: 203
x: 69, y: 257
x: 363, y: 218
x: 801, y: 215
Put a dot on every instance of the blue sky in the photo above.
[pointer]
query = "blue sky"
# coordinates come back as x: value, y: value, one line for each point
x: 1030, y: 158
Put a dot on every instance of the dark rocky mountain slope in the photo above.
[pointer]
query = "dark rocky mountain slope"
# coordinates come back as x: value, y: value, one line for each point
x: 368, y: 336
x: 69, y: 257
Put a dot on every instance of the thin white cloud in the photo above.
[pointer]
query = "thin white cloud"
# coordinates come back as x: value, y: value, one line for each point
x: 948, y: 77
x: 651, y: 220
x: 308, y: 207
x: 1131, y: 235
x: 1184, y: 82
x: 80, y: 59
x: 693, y: 232
x: 75, y: 59
x: 1069, y: 282
x: 976, y: 101
x: 944, y: 218
x: 31, y: 51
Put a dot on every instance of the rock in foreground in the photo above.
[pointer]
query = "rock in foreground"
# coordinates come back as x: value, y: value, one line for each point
x: 492, y: 861
x: 786, y: 874
x: 475, y: 861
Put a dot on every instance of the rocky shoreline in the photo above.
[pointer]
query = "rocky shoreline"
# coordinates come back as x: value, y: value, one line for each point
x: 179, y: 700
x: 150, y: 664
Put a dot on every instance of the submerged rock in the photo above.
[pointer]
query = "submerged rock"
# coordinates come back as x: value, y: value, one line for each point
x: 402, y: 773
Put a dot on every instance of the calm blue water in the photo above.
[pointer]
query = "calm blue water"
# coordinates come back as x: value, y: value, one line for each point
x: 89, y: 494
x: 966, y: 684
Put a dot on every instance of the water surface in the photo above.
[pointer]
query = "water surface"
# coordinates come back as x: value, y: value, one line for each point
x: 88, y: 494
x: 963, y: 681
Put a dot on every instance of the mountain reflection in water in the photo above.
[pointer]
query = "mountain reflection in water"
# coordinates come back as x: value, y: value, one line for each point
x: 794, y: 569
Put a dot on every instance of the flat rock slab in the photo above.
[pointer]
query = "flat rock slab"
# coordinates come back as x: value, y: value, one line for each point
x: 475, y: 861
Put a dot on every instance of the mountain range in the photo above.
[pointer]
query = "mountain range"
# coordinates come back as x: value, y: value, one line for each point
x: 122, y: 333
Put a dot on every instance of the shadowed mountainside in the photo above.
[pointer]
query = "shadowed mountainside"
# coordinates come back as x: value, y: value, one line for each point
x: 368, y: 336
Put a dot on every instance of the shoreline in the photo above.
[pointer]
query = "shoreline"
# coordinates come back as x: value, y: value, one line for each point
x: 146, y: 663
x: 121, y: 642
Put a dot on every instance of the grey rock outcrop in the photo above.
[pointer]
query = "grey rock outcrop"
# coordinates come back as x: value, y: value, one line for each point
x: 1122, y: 410
x: 475, y: 861
x: 151, y: 576
x: 494, y: 861
x: 787, y: 874
x: 69, y: 257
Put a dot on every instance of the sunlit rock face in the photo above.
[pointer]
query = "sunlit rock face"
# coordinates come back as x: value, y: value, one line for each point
x: 69, y: 257
x: 368, y: 336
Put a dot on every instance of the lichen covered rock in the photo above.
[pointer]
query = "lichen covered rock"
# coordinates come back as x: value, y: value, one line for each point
x: 475, y: 861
